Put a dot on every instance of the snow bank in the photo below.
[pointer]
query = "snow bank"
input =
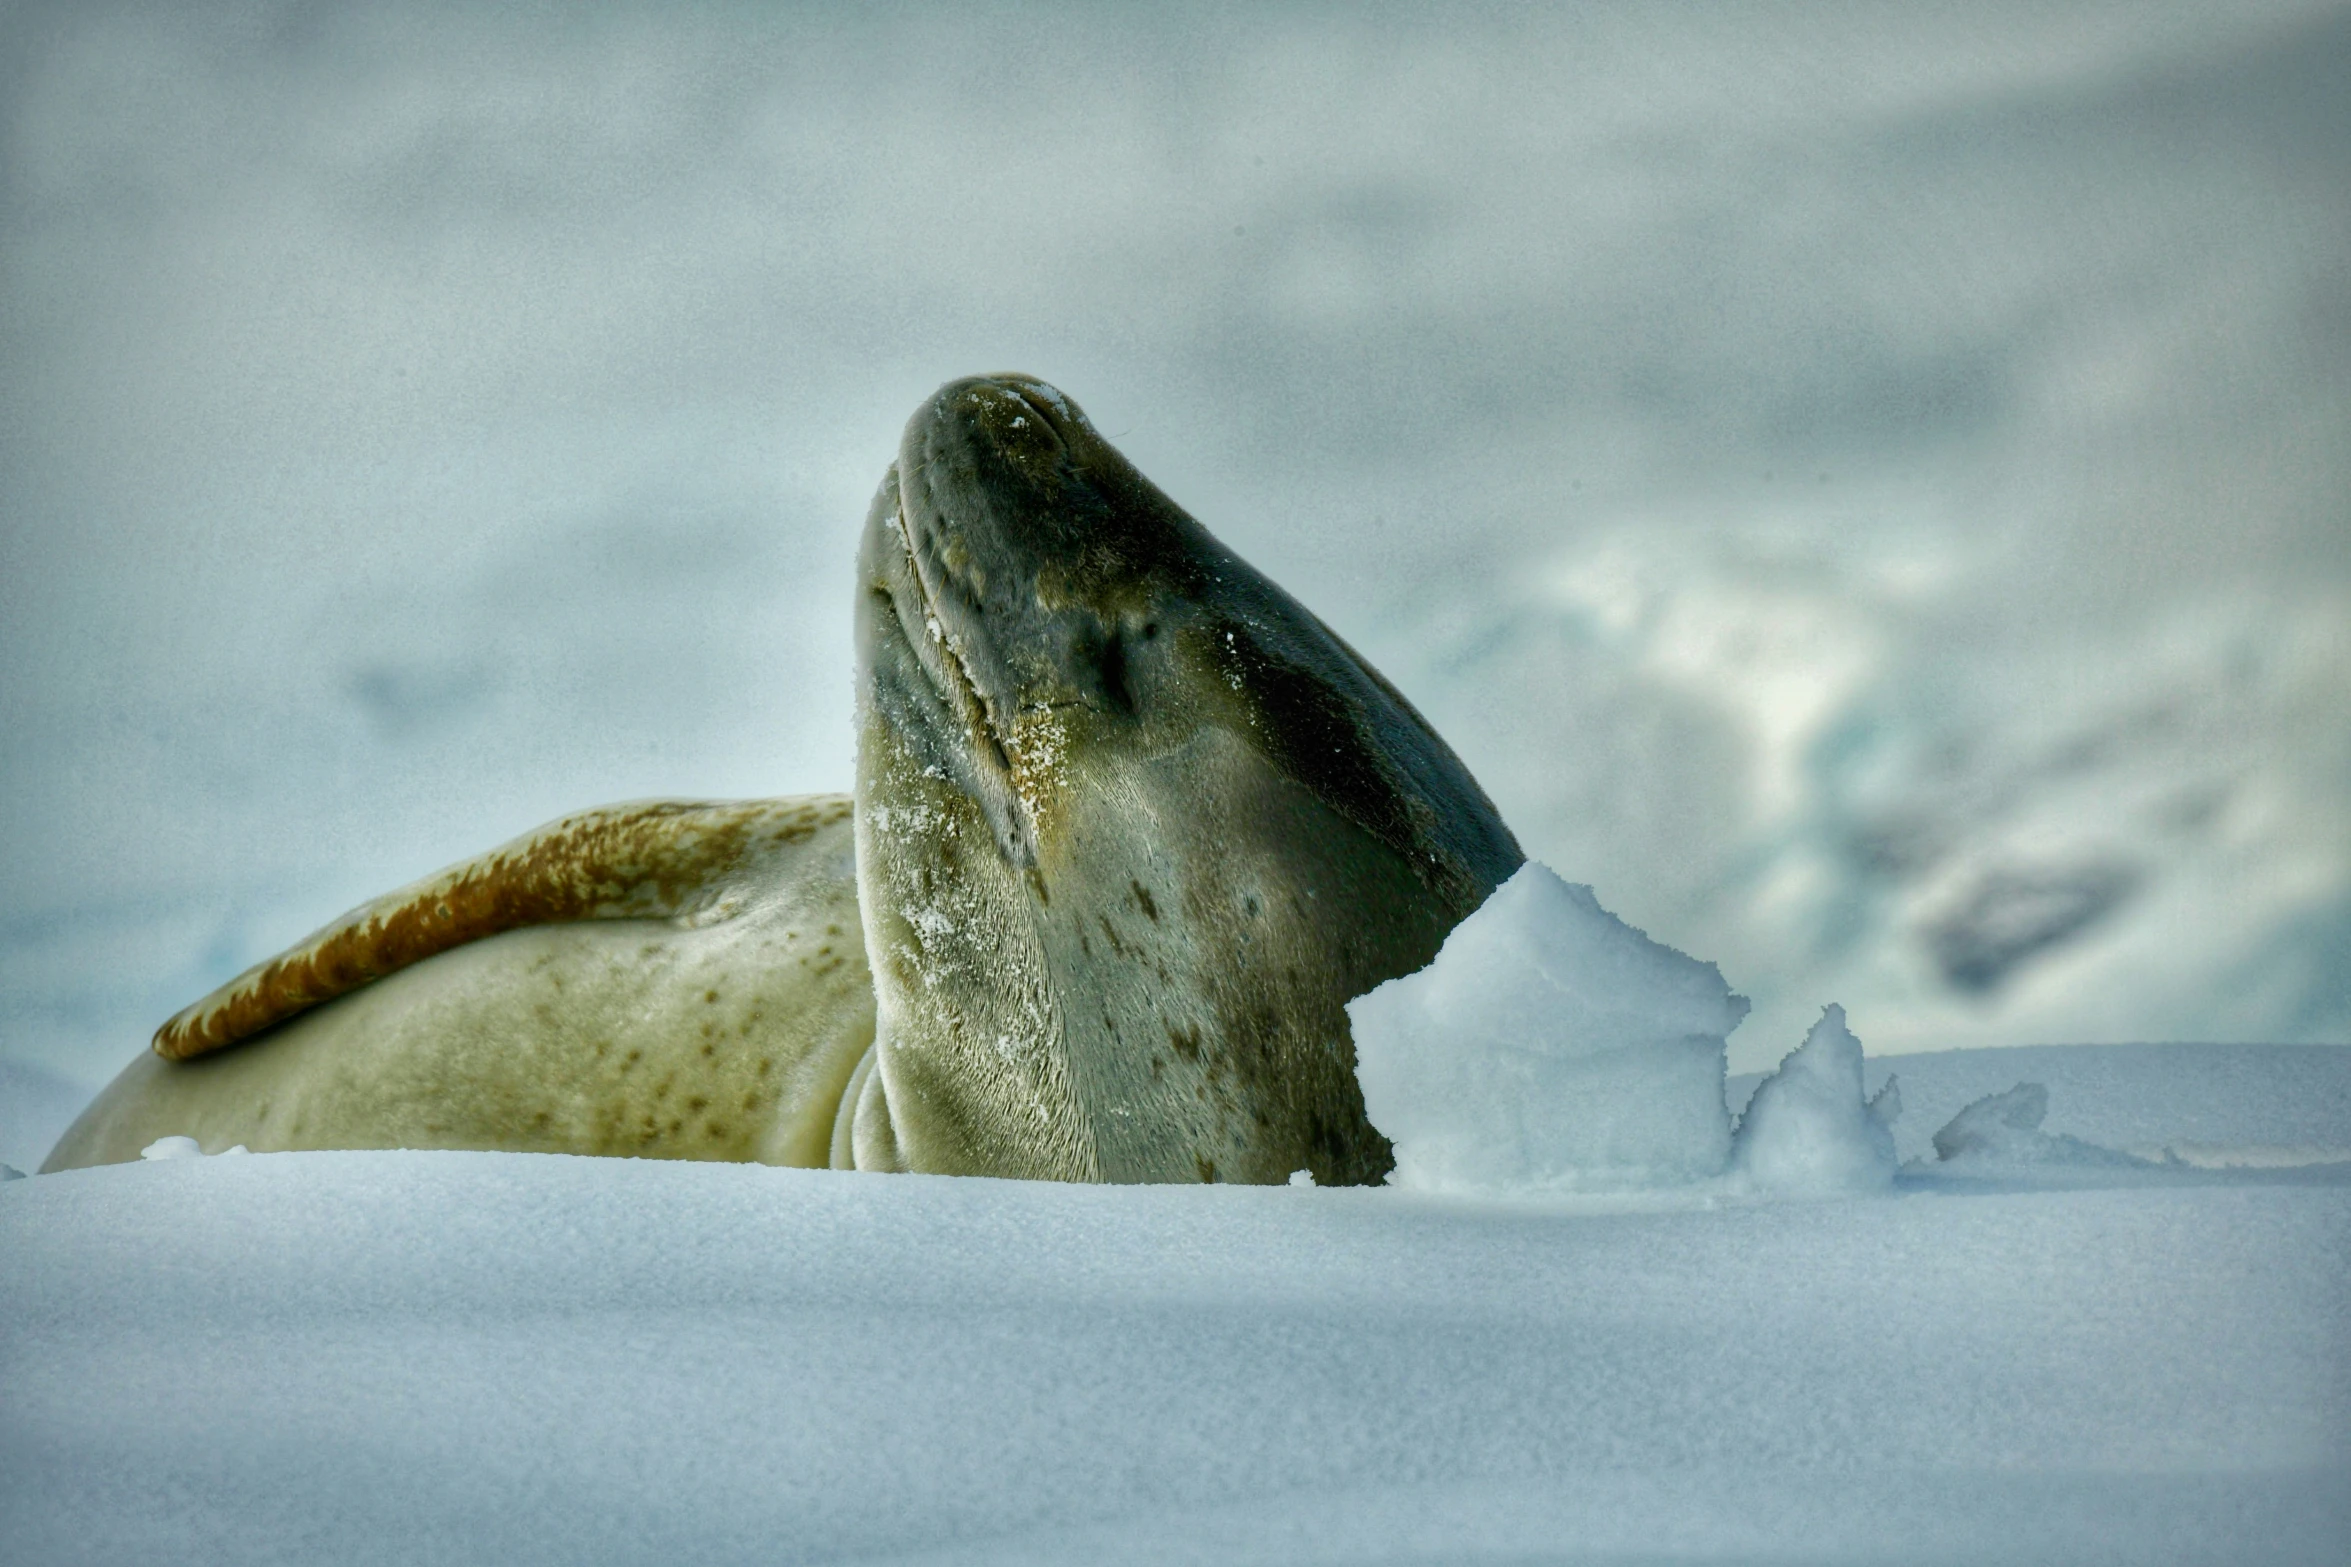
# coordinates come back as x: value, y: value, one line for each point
x: 1550, y: 1046
x: 1808, y: 1132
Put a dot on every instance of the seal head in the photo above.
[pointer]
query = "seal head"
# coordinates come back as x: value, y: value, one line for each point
x: 1132, y: 826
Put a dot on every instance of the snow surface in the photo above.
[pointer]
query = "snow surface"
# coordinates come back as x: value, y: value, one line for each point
x: 410, y: 1357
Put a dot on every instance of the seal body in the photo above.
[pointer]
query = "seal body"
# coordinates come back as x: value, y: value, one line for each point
x: 1133, y: 826
x: 670, y: 980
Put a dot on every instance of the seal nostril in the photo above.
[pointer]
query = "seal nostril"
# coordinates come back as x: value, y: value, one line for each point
x: 1114, y: 673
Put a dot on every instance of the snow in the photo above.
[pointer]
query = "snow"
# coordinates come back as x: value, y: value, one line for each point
x: 184, y: 1148
x: 1549, y: 1046
x: 408, y: 1357
x: 1552, y: 1050
x: 2219, y: 1106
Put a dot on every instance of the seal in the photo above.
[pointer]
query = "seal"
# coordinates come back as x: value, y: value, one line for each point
x: 670, y: 979
x: 1131, y: 826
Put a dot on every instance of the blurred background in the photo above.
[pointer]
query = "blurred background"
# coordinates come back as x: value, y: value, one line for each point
x: 1869, y: 489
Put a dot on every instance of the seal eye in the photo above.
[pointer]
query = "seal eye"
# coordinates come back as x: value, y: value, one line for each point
x: 1150, y: 630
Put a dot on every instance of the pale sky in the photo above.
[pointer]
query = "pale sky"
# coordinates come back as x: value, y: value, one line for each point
x: 1865, y: 489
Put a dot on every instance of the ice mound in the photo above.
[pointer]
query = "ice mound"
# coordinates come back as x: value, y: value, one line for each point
x: 1808, y: 1132
x: 9, y: 1172
x: 2002, y: 1132
x: 1550, y: 1046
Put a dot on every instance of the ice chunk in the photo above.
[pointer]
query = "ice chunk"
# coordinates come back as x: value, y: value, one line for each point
x: 9, y: 1172
x: 1549, y: 1046
x: 1997, y: 1124
x: 1807, y: 1131
x: 183, y: 1148
x: 2000, y: 1131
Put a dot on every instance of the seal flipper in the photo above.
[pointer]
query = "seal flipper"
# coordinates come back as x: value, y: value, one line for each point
x: 681, y: 860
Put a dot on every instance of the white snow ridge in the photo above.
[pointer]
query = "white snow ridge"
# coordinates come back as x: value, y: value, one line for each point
x: 1808, y: 1131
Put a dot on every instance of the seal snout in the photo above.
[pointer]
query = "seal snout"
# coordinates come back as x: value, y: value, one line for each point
x: 1013, y: 411
x: 993, y: 507
x: 1002, y: 436
x: 1029, y: 569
